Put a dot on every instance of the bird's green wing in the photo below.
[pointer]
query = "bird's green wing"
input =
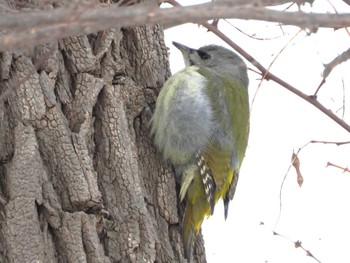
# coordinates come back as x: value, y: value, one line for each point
x: 225, y: 151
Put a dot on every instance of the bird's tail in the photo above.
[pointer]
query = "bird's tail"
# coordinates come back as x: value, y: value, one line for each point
x: 195, y: 212
x: 188, y: 233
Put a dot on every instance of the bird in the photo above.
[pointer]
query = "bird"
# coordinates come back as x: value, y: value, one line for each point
x: 201, y: 124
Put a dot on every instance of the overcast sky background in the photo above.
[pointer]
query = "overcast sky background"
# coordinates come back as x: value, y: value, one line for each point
x: 318, y: 213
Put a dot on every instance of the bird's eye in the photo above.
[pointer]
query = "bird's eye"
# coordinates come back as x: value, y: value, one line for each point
x: 203, y: 55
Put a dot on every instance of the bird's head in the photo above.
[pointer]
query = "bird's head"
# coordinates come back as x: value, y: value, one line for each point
x: 216, y: 58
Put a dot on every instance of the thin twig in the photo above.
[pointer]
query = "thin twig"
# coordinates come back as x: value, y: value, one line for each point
x: 345, y: 169
x: 344, y: 94
x: 295, y: 155
x: 298, y: 244
x: 323, y: 81
x: 272, y: 62
x: 328, y: 142
x: 250, y: 36
x: 280, y: 195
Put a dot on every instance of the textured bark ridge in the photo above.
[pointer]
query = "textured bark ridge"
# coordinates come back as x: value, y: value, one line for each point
x: 80, y: 180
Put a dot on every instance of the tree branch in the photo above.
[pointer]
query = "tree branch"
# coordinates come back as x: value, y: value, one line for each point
x: 328, y: 142
x: 345, y: 169
x: 298, y: 244
x: 335, y: 62
x: 37, y: 27
x: 268, y: 75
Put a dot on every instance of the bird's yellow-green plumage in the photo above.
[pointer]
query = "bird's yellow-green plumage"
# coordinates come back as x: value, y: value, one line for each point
x: 218, y: 159
x: 201, y: 123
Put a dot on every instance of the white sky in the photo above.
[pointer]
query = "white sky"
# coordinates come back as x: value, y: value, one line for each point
x: 318, y: 213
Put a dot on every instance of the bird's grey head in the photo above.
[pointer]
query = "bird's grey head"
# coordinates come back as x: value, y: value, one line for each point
x: 219, y: 59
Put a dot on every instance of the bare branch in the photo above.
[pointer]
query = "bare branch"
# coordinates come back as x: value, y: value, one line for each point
x: 281, y: 2
x: 345, y: 169
x: 268, y: 75
x: 335, y: 62
x: 36, y: 27
x: 298, y: 244
x: 323, y: 81
x: 347, y: 1
x: 327, y: 142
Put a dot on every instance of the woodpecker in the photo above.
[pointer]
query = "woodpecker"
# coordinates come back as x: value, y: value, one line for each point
x: 201, y: 124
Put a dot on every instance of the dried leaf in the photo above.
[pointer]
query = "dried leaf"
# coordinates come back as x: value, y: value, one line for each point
x: 296, y: 164
x: 297, y: 244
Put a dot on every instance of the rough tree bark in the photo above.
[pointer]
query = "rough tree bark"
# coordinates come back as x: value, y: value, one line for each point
x: 80, y: 180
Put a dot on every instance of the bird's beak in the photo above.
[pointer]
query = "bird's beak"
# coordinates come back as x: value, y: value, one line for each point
x: 183, y: 48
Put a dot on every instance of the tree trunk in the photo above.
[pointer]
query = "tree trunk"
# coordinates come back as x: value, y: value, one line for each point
x: 80, y: 179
